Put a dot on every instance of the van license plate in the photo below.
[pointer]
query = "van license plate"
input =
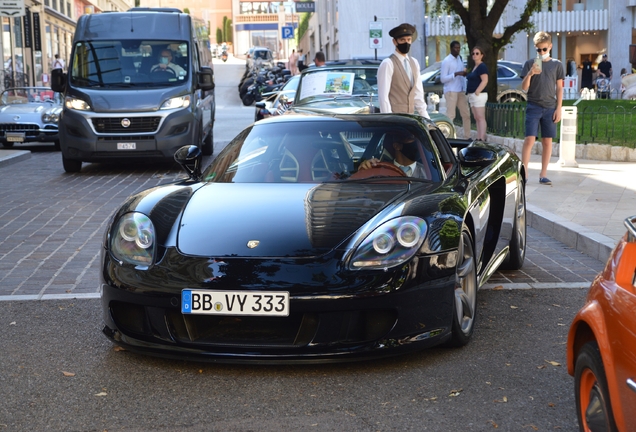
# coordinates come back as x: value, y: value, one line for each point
x: 126, y: 146
x: 263, y: 303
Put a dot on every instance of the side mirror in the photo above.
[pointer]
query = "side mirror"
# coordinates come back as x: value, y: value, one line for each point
x: 205, y: 78
x: 260, y: 105
x: 471, y: 157
x: 190, y: 157
x: 58, y: 81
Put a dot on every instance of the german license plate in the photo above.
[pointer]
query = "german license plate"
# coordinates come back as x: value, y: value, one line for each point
x: 126, y: 146
x: 15, y: 137
x: 261, y: 303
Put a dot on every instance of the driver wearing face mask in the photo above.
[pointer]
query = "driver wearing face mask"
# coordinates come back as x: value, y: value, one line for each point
x: 165, y: 63
x: 399, y: 85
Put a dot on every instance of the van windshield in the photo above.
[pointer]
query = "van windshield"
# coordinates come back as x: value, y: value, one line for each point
x: 139, y: 63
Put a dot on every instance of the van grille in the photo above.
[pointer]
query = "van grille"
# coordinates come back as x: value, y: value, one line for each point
x: 137, y: 124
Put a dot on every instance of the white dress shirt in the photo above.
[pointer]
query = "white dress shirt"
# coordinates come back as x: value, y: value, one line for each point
x: 452, y: 83
x: 385, y: 75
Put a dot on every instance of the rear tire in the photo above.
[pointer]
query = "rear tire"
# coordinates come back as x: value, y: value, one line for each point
x: 517, y: 246
x: 593, y: 405
x: 71, y: 165
x: 465, y: 295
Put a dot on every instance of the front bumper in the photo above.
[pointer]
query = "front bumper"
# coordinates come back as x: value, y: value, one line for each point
x: 93, y: 137
x: 342, y: 318
x: 28, y: 133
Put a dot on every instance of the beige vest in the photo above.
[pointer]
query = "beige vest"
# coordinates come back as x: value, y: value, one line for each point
x: 402, y: 92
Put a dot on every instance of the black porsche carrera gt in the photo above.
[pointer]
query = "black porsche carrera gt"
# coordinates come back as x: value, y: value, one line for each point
x: 285, y: 249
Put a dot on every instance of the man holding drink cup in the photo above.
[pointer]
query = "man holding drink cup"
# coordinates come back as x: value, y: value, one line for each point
x: 543, y: 81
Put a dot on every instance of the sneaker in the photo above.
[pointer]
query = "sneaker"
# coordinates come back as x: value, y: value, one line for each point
x: 544, y: 181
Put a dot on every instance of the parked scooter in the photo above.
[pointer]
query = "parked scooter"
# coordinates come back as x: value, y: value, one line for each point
x: 224, y: 56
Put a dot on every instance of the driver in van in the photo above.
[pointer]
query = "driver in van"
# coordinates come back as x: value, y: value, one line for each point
x: 165, y: 64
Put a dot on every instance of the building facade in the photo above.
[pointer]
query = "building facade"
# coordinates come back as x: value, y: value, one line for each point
x: 30, y: 42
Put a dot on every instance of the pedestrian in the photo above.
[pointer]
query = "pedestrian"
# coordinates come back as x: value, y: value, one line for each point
x: 452, y: 75
x: 319, y: 60
x: 399, y: 87
x: 477, y: 80
x: 587, y: 75
x: 301, y: 61
x: 605, y: 68
x: 543, y: 81
x: 293, y: 63
x: 58, y: 63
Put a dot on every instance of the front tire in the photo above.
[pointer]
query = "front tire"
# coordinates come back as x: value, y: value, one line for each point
x: 517, y: 246
x: 593, y: 407
x: 208, y: 146
x: 71, y: 165
x: 465, y: 296
x: 7, y: 144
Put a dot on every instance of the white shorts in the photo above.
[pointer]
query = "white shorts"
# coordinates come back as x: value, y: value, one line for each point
x: 477, y: 101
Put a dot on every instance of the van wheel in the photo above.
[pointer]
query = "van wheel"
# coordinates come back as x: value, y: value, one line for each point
x: 71, y: 165
x: 7, y: 144
x: 208, y: 146
x: 56, y: 143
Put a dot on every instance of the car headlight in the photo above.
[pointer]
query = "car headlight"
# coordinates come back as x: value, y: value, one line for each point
x: 176, y: 102
x: 50, y: 117
x: 76, y: 104
x: 133, y: 239
x: 448, y: 130
x: 391, y: 244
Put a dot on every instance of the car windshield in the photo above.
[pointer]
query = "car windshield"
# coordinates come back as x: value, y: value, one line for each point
x: 316, y: 151
x: 143, y: 63
x: 318, y: 84
x: 23, y: 95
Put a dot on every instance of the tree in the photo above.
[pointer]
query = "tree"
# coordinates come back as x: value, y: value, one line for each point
x: 219, y: 35
x: 186, y: 11
x: 479, y: 20
x: 229, y: 35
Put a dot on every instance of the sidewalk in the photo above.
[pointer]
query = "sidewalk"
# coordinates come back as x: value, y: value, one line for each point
x: 584, y: 207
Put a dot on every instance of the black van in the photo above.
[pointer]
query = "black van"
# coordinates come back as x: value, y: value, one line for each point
x: 139, y: 85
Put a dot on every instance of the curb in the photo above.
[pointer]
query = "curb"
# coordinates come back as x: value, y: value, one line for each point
x: 9, y: 157
x: 578, y: 237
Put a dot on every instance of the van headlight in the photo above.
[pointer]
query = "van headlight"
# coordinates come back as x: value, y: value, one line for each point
x: 76, y: 104
x: 176, y: 102
x: 133, y: 239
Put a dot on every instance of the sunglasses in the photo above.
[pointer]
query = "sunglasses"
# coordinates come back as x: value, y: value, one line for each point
x: 476, y: 53
x: 542, y: 49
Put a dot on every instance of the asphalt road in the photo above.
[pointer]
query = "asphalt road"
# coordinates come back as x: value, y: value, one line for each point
x: 58, y: 372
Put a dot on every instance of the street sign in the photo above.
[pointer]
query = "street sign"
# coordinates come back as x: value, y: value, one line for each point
x: 288, y: 32
x: 375, y: 34
x: 307, y: 6
x: 12, y: 8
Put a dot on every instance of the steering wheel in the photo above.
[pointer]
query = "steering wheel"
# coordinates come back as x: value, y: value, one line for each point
x: 381, y: 169
x: 161, y: 70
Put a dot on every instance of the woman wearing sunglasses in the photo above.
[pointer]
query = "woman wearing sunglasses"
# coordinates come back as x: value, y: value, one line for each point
x: 544, y: 84
x: 476, y: 82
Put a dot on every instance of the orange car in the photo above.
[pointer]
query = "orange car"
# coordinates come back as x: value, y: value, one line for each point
x: 601, y: 351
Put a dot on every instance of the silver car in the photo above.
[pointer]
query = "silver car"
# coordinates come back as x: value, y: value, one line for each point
x: 508, y: 81
x: 29, y: 114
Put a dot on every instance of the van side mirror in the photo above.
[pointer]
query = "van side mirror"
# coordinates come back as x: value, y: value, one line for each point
x: 58, y: 81
x: 205, y: 78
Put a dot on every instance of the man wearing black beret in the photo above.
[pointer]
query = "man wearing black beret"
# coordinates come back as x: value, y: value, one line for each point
x: 399, y: 85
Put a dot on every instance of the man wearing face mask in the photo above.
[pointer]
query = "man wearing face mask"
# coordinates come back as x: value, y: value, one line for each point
x: 165, y: 64
x: 404, y: 148
x: 399, y: 85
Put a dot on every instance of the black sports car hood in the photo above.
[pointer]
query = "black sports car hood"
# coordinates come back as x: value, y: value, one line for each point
x: 278, y: 220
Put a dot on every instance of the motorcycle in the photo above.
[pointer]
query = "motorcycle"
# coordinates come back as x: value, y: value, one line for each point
x: 224, y: 56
